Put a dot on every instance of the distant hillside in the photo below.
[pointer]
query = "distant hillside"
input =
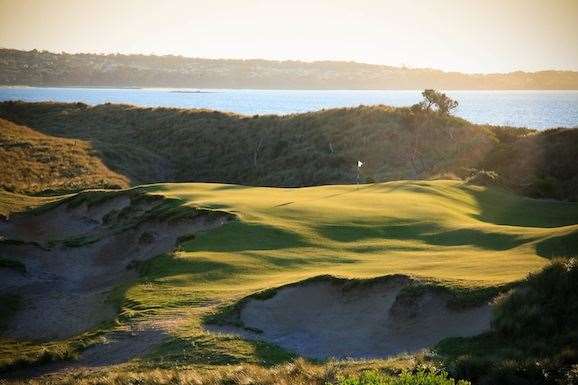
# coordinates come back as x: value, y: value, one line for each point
x: 149, y: 145
x: 33, y: 162
x: 41, y: 68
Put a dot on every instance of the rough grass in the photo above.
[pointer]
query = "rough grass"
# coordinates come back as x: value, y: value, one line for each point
x: 402, y: 371
x: 16, y: 355
x: 11, y: 203
x: 418, y: 378
x: 45, y: 164
x: 533, y: 337
x: 150, y: 145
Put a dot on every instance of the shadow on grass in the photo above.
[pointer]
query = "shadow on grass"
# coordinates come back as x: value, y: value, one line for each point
x: 500, y: 207
x: 291, y: 261
x: 429, y: 233
x: 169, y: 267
x: 560, y: 246
x: 227, y: 187
x: 243, y: 236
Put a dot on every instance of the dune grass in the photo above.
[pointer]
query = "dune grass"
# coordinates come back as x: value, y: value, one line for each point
x: 153, y: 145
x: 48, y: 165
x: 68, y: 147
x: 296, y: 372
x: 11, y: 203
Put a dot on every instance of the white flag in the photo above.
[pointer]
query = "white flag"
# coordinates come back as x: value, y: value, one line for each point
x: 359, y: 164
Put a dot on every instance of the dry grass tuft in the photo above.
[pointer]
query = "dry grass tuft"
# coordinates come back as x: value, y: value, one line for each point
x: 297, y: 372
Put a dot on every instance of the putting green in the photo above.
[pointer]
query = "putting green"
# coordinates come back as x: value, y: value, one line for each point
x: 441, y: 230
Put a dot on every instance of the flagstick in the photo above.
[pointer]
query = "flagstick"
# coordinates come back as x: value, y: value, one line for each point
x: 359, y: 164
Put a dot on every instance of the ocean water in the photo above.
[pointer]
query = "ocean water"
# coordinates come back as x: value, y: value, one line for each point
x: 533, y: 109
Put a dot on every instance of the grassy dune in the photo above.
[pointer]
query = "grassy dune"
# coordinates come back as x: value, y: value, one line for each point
x: 42, y: 163
x: 153, y: 145
x: 119, y: 144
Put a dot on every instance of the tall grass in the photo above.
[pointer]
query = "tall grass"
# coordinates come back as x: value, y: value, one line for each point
x: 45, y: 164
x: 298, y: 372
x: 150, y: 145
x: 147, y: 145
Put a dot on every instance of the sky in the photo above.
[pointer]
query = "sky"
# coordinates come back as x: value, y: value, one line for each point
x: 474, y: 36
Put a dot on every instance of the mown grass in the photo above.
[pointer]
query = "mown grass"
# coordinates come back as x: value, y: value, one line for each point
x: 287, y: 235
x: 442, y: 230
x: 473, y: 241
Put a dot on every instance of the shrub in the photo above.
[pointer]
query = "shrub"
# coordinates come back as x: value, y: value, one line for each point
x: 546, y: 307
x: 422, y: 377
x: 534, y: 336
x: 484, y: 178
x: 544, y: 187
x: 443, y: 103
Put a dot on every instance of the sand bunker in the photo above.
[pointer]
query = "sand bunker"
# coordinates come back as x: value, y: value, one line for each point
x: 328, y: 317
x: 75, y: 254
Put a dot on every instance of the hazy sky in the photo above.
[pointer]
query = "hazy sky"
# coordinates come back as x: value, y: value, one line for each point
x: 453, y: 35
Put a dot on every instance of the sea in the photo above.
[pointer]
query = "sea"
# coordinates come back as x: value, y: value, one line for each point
x: 532, y: 109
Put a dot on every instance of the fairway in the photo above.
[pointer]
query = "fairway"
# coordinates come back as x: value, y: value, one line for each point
x: 446, y: 232
x: 441, y: 230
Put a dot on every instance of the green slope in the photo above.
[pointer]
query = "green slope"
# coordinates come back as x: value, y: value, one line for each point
x: 445, y: 230
x: 458, y: 235
x: 442, y: 230
x: 449, y: 232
